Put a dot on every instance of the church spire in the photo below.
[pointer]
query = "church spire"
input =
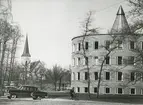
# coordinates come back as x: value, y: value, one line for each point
x: 26, y: 49
x: 120, y: 25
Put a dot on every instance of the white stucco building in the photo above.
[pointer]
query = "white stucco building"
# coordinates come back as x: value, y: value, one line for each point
x: 120, y: 69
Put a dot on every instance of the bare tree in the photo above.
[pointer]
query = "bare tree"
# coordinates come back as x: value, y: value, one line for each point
x: 136, y: 15
x: 64, y: 77
x: 136, y: 75
x: 114, y: 43
x: 55, y: 75
x: 87, y: 30
x: 7, y: 33
x: 16, y: 36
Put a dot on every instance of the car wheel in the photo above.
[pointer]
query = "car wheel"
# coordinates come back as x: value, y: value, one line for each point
x: 9, y: 97
x: 46, y: 97
x: 35, y: 97
x: 31, y: 94
x: 14, y: 96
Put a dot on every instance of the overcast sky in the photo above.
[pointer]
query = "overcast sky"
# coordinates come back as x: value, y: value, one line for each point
x: 51, y: 24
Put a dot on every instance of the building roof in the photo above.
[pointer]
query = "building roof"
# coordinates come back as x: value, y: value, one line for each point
x: 120, y: 25
x: 33, y: 65
x: 26, y: 49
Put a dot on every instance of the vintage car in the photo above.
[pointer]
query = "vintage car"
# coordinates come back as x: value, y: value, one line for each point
x: 27, y: 91
x: 7, y: 88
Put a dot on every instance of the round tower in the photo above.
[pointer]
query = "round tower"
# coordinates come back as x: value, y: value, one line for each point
x: 119, y: 68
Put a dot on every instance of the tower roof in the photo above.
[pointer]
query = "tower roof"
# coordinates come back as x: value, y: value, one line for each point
x: 120, y: 25
x: 26, y: 49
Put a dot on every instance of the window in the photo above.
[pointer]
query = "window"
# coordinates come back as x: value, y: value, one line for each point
x: 78, y: 89
x: 138, y: 76
x: 73, y: 48
x: 120, y: 44
x: 73, y: 76
x: 142, y: 45
x: 73, y: 62
x: 120, y: 91
x: 132, y: 45
x: 107, y: 60
x: 30, y: 89
x: 86, y: 61
x: 78, y: 61
x: 107, y: 75
x: 96, y: 45
x: 96, y: 75
x: 86, y: 75
x: 86, y: 45
x: 141, y: 91
x: 107, y: 90
x: 141, y: 77
x: 132, y: 76
x: 85, y: 89
x: 120, y: 76
x: 107, y: 44
x: 26, y: 63
x: 141, y: 60
x: 120, y: 60
x: 132, y: 91
x: 131, y: 60
x: 78, y: 74
x: 95, y: 89
x: 79, y: 46
x: 96, y: 60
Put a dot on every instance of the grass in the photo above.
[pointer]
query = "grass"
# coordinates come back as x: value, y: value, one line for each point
x: 110, y: 98
x: 130, y: 99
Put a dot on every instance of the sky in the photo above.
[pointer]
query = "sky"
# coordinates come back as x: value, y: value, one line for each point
x: 51, y: 24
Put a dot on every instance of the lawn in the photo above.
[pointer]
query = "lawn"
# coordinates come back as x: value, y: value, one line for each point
x: 130, y: 99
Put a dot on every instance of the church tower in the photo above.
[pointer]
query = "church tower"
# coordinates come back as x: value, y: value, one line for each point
x: 26, y: 61
x: 26, y: 57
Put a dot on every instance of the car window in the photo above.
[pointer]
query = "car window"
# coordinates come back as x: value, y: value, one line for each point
x: 20, y: 88
x: 31, y: 89
x: 23, y: 88
x: 36, y: 89
x: 26, y: 88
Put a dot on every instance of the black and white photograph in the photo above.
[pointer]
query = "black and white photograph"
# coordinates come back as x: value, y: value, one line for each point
x: 71, y: 52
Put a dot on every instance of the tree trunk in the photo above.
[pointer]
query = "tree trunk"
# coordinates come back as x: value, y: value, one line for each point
x: 1, y: 65
x: 60, y: 81
x: 7, y: 67
x: 99, y: 80
x: 55, y: 86
x: 100, y: 73
x: 89, y: 95
x: 41, y: 82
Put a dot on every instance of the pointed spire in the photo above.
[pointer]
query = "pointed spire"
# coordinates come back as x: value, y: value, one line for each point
x: 120, y: 25
x: 120, y: 11
x: 26, y: 49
